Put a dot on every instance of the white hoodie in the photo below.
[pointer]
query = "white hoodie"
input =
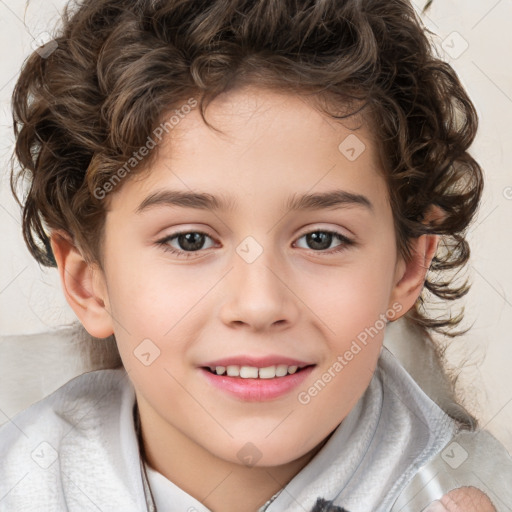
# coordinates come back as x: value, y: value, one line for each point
x: 76, y: 450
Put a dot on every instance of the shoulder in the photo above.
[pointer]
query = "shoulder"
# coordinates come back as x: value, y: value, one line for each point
x: 36, y: 443
x: 88, y: 394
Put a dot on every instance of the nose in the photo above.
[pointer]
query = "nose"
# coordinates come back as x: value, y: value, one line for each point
x: 258, y: 296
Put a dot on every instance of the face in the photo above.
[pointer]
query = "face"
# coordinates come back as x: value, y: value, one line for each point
x: 281, y: 266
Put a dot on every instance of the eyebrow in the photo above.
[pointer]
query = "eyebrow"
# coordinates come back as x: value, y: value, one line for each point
x: 204, y: 201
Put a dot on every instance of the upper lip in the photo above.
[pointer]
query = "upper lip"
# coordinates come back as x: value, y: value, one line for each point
x: 258, y: 362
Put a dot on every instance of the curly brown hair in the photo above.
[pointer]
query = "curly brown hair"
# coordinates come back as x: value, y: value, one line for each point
x: 83, y: 110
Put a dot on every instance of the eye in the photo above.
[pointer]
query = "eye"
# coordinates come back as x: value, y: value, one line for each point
x: 320, y: 240
x: 185, y: 242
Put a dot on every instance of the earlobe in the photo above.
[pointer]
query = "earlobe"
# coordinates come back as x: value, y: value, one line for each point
x: 410, y: 275
x: 83, y: 285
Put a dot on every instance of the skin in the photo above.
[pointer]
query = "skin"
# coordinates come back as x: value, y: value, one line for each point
x: 293, y: 300
x: 464, y: 499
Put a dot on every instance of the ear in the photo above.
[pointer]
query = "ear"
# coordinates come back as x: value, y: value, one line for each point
x: 84, y: 286
x: 410, y: 275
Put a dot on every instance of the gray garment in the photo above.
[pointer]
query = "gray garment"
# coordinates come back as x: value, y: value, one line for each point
x: 77, y: 450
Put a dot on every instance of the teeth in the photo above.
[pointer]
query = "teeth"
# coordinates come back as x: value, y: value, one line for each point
x: 248, y: 372
x: 267, y: 373
x: 252, y: 372
x: 233, y: 371
x: 281, y: 370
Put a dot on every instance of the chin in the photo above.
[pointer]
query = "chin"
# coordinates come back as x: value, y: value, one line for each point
x: 268, y: 454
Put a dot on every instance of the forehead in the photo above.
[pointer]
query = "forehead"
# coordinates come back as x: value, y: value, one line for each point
x: 252, y: 118
x: 269, y: 141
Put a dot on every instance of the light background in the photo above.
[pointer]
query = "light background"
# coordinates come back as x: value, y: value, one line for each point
x: 475, y: 37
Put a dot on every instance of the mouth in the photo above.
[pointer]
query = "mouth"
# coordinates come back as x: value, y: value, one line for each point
x: 254, y: 372
x: 256, y: 380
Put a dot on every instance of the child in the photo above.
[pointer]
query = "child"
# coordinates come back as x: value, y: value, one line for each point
x: 253, y: 375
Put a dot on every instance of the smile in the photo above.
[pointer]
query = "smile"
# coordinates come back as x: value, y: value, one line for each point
x: 256, y: 380
x: 253, y: 372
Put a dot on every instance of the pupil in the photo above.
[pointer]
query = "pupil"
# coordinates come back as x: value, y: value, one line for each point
x: 319, y: 240
x: 191, y: 241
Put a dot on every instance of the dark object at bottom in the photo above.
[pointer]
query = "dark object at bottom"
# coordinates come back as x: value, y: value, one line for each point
x: 322, y: 505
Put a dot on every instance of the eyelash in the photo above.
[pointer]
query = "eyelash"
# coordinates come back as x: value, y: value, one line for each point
x: 164, y: 243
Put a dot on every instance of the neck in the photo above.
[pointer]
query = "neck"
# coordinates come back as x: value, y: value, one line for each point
x: 218, y: 484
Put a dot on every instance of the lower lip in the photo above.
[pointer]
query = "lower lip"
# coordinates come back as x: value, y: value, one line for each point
x: 257, y: 390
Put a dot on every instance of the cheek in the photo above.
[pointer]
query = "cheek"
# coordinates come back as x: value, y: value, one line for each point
x: 352, y: 296
x: 352, y: 307
x: 150, y: 296
x: 158, y: 309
